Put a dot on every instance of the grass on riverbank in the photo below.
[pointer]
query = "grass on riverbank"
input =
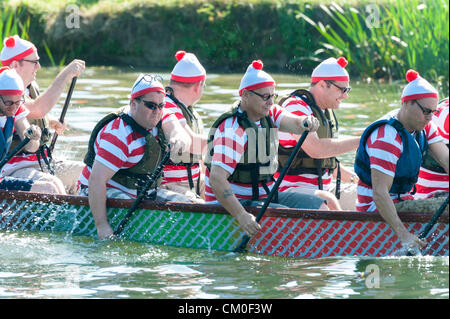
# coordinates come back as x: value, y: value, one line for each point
x: 226, y: 35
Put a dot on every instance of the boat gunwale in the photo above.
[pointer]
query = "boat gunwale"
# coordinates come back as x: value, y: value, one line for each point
x: 421, y: 217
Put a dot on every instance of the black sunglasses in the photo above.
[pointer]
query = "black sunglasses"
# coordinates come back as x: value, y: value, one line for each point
x: 343, y: 89
x: 152, y: 105
x: 31, y: 61
x: 11, y: 103
x: 425, y: 110
x: 265, y: 97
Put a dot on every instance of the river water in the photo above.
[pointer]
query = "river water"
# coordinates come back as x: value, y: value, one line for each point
x: 56, y: 265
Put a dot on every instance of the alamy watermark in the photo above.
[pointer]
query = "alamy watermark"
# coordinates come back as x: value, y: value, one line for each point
x: 373, y: 17
x: 72, y: 17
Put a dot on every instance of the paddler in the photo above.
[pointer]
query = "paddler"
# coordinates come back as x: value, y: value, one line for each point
x: 242, y: 151
x: 13, y: 118
x: 316, y: 165
x: 390, y: 153
x: 126, y: 146
x: 22, y: 56
x: 187, y: 81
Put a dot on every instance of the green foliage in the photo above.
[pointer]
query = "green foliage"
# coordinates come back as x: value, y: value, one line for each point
x: 409, y: 34
x: 226, y: 35
x: 13, y: 22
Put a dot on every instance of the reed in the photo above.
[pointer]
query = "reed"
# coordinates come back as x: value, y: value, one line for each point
x: 13, y: 22
x: 406, y: 34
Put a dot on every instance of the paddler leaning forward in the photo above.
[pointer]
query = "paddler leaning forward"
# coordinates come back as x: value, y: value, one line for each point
x: 125, y: 148
x: 242, y: 151
x: 390, y: 153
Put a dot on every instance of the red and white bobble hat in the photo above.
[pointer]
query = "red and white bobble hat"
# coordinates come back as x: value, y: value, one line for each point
x: 15, y: 49
x: 417, y: 88
x: 188, y: 69
x: 144, y: 84
x: 331, y: 69
x: 255, y: 78
x: 10, y: 82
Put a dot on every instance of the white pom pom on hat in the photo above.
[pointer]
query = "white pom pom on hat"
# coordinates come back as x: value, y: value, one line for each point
x: 255, y: 78
x: 418, y: 87
x: 144, y: 84
x: 331, y: 69
x: 10, y: 82
x: 15, y: 49
x: 188, y: 69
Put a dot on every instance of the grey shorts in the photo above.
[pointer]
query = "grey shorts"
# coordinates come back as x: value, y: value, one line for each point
x: 15, y: 184
x: 289, y: 200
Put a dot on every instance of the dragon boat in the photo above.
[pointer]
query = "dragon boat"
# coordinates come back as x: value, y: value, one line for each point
x: 284, y: 232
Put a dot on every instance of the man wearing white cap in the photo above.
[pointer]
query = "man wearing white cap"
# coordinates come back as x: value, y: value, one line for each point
x: 126, y: 147
x: 13, y: 117
x: 433, y: 179
x: 390, y: 154
x: 22, y: 56
x: 316, y: 164
x: 242, y: 151
x: 185, y: 89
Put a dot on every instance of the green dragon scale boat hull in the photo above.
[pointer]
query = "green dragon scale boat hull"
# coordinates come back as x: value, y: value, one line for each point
x: 284, y: 232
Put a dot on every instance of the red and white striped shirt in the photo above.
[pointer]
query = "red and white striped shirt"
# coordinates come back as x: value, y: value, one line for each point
x: 429, y: 181
x: 116, y: 148
x: 21, y: 112
x: 175, y: 173
x: 230, y: 142
x: 297, y: 106
x: 384, y: 147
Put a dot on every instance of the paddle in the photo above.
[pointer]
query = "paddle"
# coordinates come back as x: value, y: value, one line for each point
x: 242, y: 246
x: 430, y: 224
x: 15, y: 151
x: 153, y: 176
x: 64, y: 111
x: 434, y: 219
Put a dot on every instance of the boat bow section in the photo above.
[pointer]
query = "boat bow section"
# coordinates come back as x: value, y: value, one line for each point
x: 285, y: 232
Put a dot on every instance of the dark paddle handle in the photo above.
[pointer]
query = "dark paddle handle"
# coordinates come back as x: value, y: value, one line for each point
x: 241, y: 247
x: 152, y: 178
x: 434, y: 219
x: 15, y: 151
x: 64, y: 111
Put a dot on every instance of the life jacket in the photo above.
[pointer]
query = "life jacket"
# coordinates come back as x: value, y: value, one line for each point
x: 6, y: 137
x: 135, y: 176
x: 303, y: 163
x: 194, y: 121
x: 408, y: 165
x: 43, y: 152
x: 250, y: 170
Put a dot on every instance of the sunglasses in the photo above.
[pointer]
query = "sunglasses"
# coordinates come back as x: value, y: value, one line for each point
x: 425, y: 110
x: 11, y: 103
x: 152, y: 105
x: 149, y: 78
x: 31, y: 61
x: 343, y: 89
x: 265, y: 97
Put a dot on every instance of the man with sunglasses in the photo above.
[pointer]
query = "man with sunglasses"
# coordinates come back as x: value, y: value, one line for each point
x: 242, y: 151
x: 316, y: 164
x: 126, y: 146
x: 390, y: 154
x: 187, y: 81
x: 13, y: 117
x: 22, y: 56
